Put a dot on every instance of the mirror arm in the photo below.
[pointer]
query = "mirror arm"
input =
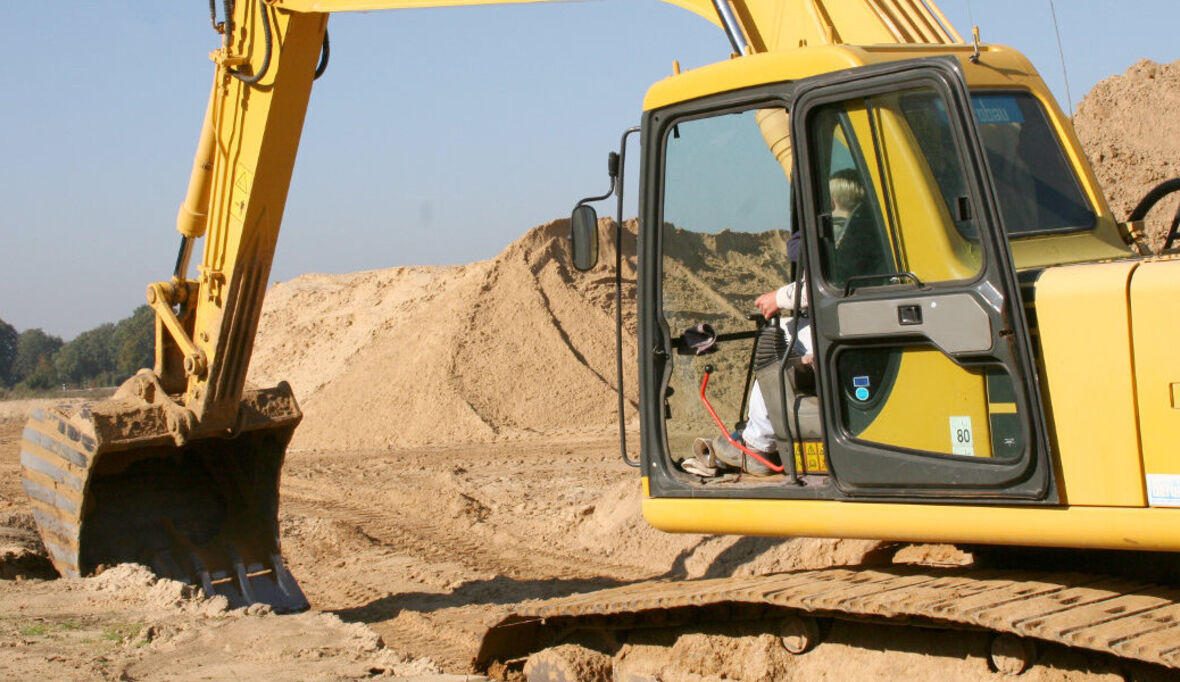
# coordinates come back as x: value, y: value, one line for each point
x: 613, y: 169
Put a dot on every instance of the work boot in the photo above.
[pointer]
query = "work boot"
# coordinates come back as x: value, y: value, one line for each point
x: 726, y: 453
x: 702, y: 463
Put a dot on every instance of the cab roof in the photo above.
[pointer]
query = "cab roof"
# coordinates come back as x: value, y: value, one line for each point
x: 998, y: 67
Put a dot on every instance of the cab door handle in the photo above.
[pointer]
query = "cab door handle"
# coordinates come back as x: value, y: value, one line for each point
x: 909, y: 314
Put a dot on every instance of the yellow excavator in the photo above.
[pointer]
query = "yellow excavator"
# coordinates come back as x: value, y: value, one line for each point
x: 987, y: 357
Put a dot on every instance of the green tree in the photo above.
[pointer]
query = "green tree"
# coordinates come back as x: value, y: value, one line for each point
x: 8, y: 341
x: 34, y: 355
x: 135, y: 343
x: 43, y: 377
x: 89, y: 358
x: 103, y: 356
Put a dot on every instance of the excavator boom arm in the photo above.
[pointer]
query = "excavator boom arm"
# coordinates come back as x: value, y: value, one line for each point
x: 768, y: 24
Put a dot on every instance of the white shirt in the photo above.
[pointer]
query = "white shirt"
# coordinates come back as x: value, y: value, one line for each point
x: 784, y: 297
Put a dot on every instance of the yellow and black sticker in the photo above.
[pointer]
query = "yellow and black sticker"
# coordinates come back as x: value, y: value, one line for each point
x: 809, y: 457
x: 243, y: 179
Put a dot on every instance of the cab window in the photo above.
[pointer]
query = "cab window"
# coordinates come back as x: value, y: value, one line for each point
x: 891, y: 210
x: 726, y: 221
x: 1037, y: 189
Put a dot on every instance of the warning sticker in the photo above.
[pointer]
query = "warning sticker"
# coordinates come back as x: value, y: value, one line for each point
x: 1163, y: 490
x: 243, y: 180
x: 962, y: 439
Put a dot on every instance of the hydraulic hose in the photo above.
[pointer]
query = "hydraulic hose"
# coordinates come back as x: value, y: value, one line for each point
x: 325, y: 52
x: 267, y: 43
x: 1151, y: 199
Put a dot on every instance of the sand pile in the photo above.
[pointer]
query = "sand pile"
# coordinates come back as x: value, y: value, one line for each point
x: 412, y: 356
x: 1130, y: 128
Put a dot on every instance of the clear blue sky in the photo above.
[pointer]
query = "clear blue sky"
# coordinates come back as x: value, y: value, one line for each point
x: 437, y: 136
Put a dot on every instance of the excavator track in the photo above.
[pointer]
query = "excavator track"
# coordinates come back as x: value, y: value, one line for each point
x: 1111, y: 615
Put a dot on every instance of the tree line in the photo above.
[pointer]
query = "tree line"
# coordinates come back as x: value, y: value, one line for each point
x: 33, y: 361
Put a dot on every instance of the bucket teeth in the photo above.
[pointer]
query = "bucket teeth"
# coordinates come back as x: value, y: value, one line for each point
x: 285, y: 582
x: 202, y: 573
x: 240, y: 576
x: 165, y: 566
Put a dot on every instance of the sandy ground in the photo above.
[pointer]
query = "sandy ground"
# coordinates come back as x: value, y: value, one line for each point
x: 457, y: 457
x: 406, y: 555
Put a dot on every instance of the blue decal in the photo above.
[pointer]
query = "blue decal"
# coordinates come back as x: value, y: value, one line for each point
x: 996, y: 109
x: 860, y: 382
x: 862, y: 393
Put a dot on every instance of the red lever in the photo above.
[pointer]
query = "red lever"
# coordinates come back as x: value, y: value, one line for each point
x: 705, y: 382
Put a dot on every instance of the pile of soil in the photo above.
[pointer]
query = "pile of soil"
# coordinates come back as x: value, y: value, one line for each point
x: 1130, y: 128
x: 504, y: 348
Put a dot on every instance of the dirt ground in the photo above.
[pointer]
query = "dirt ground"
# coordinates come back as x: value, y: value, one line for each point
x: 458, y: 456
x: 406, y: 555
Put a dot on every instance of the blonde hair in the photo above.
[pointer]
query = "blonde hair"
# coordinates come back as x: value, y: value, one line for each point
x: 846, y: 188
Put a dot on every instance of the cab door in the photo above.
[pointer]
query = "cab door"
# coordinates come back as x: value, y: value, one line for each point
x: 924, y: 363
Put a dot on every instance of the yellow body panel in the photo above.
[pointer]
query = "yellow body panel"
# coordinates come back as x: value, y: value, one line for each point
x: 934, y: 249
x: 758, y: 69
x: 1156, y: 328
x: 1075, y: 526
x: 928, y: 378
x: 931, y: 247
x: 1084, y: 324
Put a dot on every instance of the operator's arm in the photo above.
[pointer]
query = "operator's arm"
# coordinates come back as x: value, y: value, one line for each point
x: 780, y: 299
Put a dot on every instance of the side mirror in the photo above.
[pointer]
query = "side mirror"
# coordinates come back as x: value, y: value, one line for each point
x: 584, y: 237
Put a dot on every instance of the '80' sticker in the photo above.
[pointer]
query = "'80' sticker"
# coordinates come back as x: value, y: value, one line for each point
x: 962, y: 438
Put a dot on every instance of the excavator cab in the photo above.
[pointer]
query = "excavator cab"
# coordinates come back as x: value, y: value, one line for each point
x: 924, y: 370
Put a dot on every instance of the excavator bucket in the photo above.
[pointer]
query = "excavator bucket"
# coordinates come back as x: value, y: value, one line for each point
x: 117, y: 481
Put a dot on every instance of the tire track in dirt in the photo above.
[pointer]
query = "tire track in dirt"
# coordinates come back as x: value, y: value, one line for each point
x: 434, y: 555
x: 437, y: 542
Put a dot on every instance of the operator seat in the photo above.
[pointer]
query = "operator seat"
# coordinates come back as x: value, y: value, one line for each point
x: 789, y: 395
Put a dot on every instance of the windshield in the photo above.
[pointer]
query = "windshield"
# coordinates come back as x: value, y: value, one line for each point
x: 1037, y: 189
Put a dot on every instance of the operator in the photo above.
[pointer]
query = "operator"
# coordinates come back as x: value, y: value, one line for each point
x: 758, y: 435
x: 847, y: 192
x: 711, y: 456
